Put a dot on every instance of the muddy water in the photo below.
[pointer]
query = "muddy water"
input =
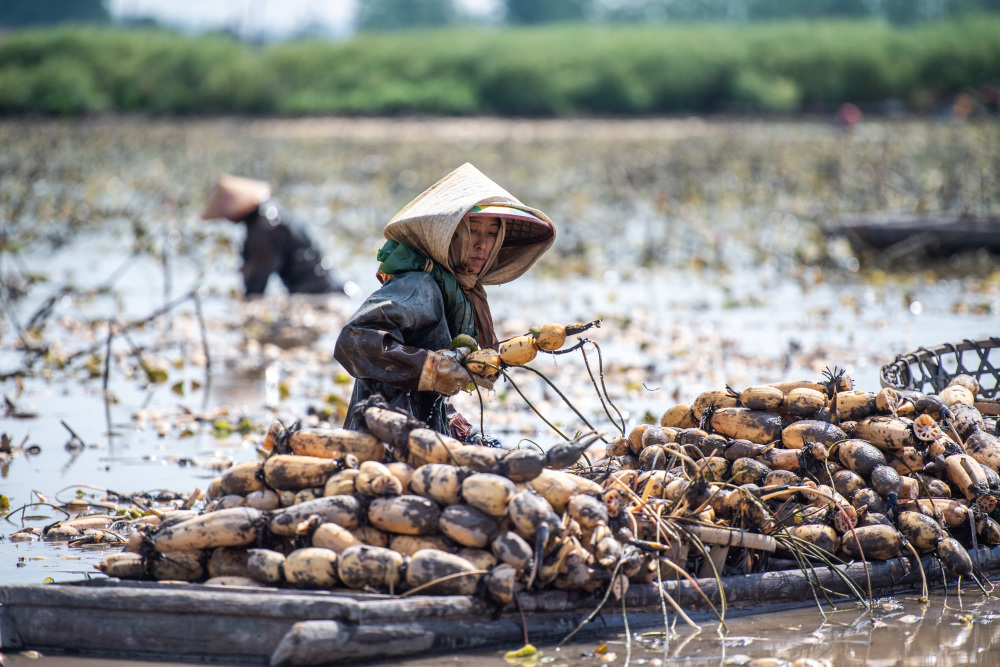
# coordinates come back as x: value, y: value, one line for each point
x: 659, y: 346
x: 700, y: 282
x: 648, y: 339
x: 897, y: 631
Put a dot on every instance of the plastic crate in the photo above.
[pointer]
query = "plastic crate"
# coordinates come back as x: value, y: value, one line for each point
x: 930, y: 369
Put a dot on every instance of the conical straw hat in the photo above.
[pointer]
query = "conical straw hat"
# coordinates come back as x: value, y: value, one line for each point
x: 428, y: 223
x: 235, y: 197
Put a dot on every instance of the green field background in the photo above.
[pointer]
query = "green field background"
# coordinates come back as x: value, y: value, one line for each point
x: 564, y: 70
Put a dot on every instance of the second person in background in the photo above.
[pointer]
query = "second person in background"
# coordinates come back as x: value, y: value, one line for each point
x: 272, y: 244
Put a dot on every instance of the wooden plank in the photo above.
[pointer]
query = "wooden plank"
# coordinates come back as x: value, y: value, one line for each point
x: 194, y: 622
x: 207, y: 600
x: 939, y: 234
x: 10, y: 638
x: 311, y: 643
x: 989, y: 408
x: 552, y: 601
x: 678, y: 551
x: 327, y: 642
x: 453, y: 606
x: 717, y: 557
x: 146, y: 634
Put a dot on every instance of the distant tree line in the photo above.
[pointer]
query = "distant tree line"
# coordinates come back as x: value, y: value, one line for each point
x: 559, y: 70
x: 380, y: 15
x: 895, y: 11
x: 391, y: 15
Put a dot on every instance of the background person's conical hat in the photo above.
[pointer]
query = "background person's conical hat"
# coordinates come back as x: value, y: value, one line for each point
x: 428, y: 223
x: 235, y: 197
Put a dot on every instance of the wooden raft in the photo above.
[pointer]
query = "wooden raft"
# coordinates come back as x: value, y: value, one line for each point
x: 194, y: 622
x: 896, y: 235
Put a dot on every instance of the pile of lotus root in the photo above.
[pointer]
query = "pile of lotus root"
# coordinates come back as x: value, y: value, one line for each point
x: 794, y: 470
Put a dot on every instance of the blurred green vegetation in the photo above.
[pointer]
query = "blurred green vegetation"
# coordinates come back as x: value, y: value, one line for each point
x: 562, y: 70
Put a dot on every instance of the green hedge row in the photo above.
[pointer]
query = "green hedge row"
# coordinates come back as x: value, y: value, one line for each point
x: 548, y: 71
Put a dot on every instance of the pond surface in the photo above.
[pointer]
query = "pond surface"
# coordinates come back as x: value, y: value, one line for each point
x: 705, y: 271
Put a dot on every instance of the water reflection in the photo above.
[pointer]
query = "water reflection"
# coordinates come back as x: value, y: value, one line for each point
x: 949, y: 631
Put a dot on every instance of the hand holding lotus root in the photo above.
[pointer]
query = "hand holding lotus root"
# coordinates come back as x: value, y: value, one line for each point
x: 445, y: 373
x: 521, y: 350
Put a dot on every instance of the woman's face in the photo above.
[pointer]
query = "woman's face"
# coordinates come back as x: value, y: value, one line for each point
x: 483, y: 234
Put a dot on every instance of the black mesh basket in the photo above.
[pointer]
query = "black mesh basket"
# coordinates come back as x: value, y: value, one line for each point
x: 930, y: 369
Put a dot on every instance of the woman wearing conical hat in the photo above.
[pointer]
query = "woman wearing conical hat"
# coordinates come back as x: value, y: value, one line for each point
x: 463, y: 232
